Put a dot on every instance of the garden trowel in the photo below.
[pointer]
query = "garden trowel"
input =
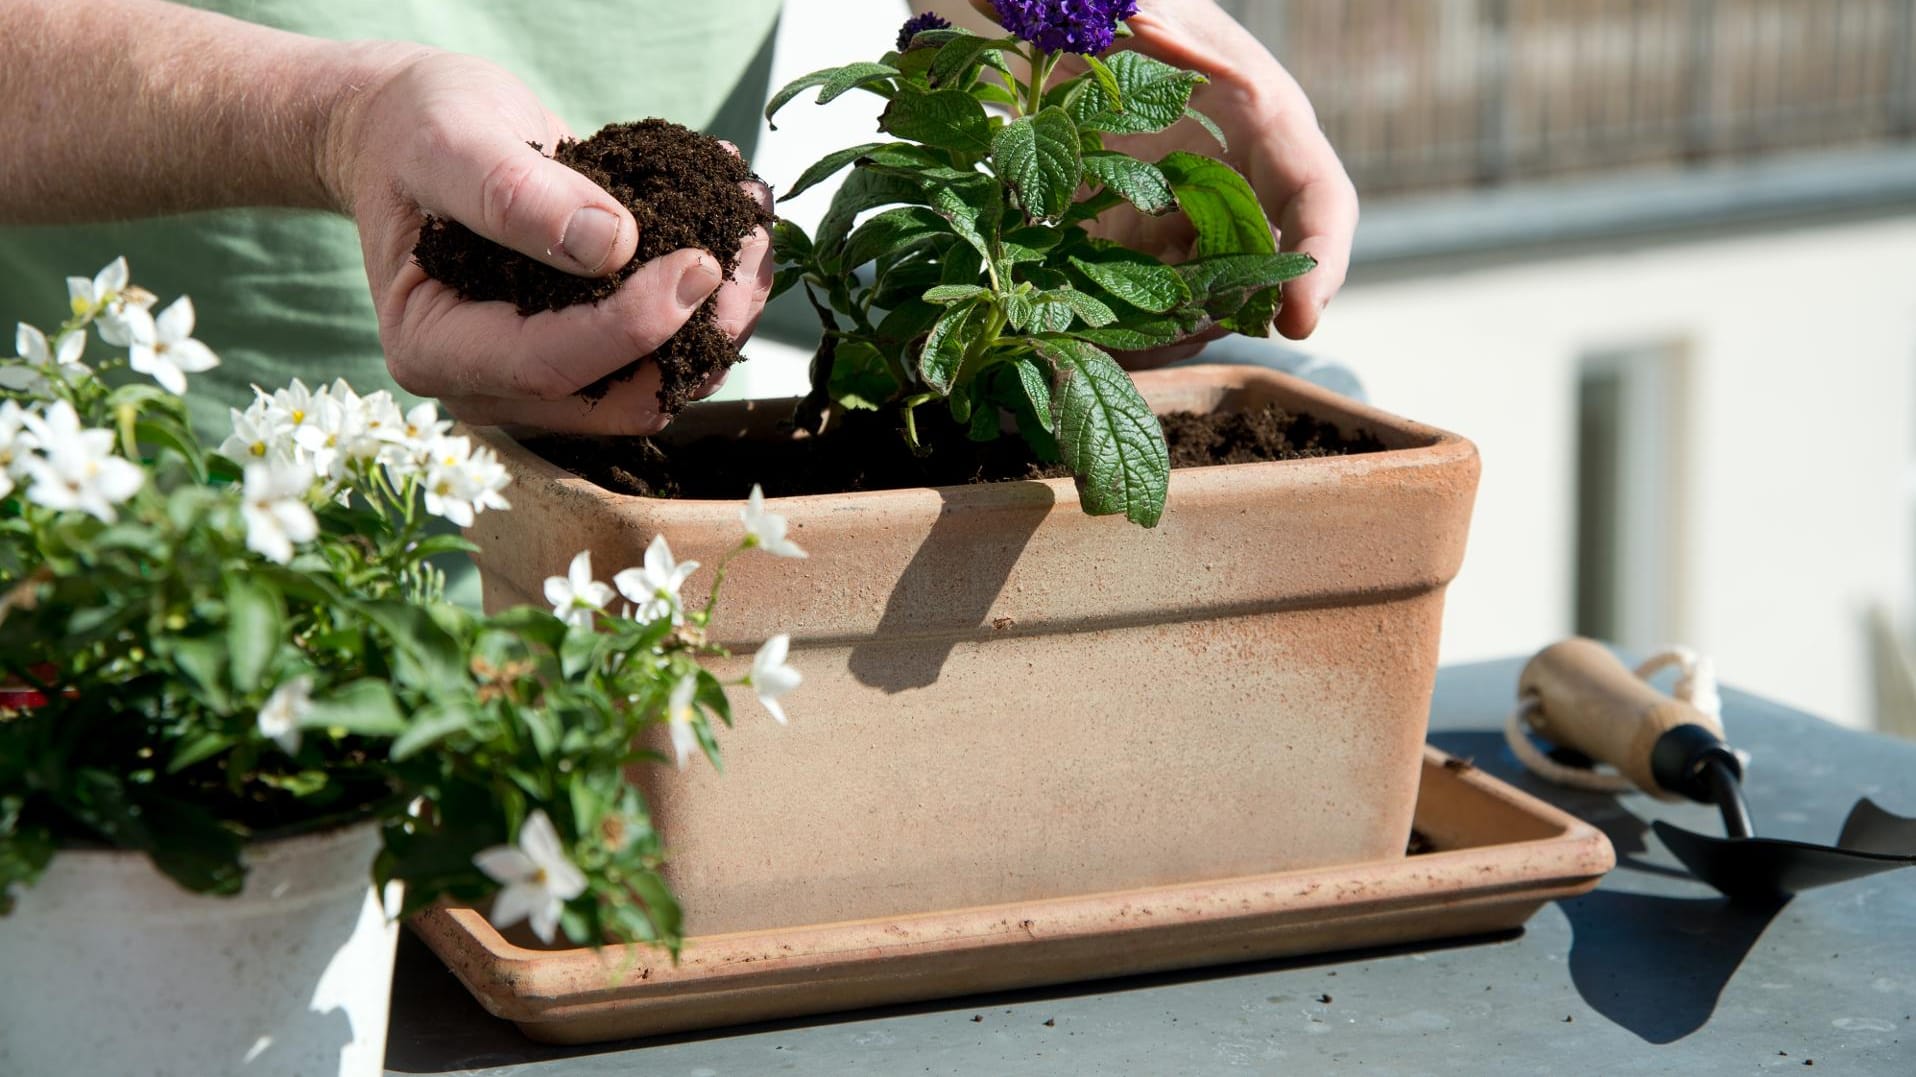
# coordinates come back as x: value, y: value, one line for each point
x: 1589, y: 701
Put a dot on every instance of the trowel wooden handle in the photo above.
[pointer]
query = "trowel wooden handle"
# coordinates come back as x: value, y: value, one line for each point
x: 1592, y: 702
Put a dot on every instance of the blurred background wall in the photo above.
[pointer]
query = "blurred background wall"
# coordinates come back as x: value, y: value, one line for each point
x: 1656, y: 257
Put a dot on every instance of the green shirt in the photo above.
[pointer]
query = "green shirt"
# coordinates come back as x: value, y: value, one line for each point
x: 282, y: 293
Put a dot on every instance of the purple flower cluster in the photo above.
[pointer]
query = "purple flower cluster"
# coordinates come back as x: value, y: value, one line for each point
x: 918, y: 24
x: 1083, y: 26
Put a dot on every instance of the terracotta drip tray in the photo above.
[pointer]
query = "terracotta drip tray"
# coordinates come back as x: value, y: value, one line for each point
x: 1499, y: 854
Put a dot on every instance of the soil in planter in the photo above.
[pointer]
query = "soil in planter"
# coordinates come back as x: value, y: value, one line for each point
x: 683, y: 190
x: 861, y: 451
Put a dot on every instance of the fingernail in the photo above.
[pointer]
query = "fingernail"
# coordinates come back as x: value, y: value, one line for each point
x: 699, y: 281
x: 589, y: 237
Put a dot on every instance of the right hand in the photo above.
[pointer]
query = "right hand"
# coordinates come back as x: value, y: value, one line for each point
x: 446, y: 134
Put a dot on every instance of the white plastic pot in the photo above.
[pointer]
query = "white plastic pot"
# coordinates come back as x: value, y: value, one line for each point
x: 109, y: 967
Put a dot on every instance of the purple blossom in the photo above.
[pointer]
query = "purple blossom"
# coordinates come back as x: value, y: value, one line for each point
x: 1084, y: 26
x: 918, y: 24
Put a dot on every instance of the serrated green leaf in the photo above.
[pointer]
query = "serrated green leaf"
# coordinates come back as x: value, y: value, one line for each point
x: 863, y: 189
x: 861, y: 379
x: 790, y: 244
x: 1018, y: 307
x: 1050, y: 315
x: 1038, y: 156
x: 945, y: 347
x: 1210, y: 126
x: 1090, y: 308
x: 1220, y: 204
x: 1107, y: 435
x: 851, y: 77
x: 905, y: 323
x: 254, y: 631
x: 948, y: 119
x: 1137, y: 279
x: 365, y: 707
x: 892, y: 230
x: 957, y: 57
x: 825, y: 168
x: 975, y: 209
x: 1139, y: 182
x: 1154, y: 96
x: 1240, y: 291
x: 828, y: 77
x: 1107, y: 81
x: 953, y: 293
x: 1031, y: 387
x: 991, y: 93
x: 1141, y: 335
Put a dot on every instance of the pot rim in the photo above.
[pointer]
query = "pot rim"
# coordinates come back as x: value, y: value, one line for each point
x: 1418, y: 445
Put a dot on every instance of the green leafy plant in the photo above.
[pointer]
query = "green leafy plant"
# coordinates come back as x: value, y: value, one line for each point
x: 203, y: 648
x: 977, y: 284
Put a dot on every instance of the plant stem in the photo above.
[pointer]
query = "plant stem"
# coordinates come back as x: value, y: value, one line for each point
x: 1041, y: 65
x: 905, y: 407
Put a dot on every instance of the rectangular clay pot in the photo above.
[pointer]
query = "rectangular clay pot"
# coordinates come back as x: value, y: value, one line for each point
x: 1006, y: 700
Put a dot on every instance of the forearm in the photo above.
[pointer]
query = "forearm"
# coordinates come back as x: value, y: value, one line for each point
x: 128, y: 108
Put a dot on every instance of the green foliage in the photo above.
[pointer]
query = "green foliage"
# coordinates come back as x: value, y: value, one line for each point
x: 160, y: 642
x: 975, y: 282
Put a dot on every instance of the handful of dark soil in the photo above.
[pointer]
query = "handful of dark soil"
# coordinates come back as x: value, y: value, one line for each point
x: 683, y: 190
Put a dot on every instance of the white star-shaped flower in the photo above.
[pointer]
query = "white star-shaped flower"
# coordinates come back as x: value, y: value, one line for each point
x: 536, y: 877
x: 37, y: 356
x: 75, y: 469
x: 88, y: 298
x: 678, y: 719
x: 15, y: 444
x: 766, y: 530
x: 161, y: 347
x: 285, y: 709
x: 655, y: 586
x: 576, y: 596
x: 771, y: 677
x: 462, y: 481
x: 275, y: 510
x: 256, y: 436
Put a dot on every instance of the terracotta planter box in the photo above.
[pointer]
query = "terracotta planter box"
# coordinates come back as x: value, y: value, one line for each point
x: 1007, y: 701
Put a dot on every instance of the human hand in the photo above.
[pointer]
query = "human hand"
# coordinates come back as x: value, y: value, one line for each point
x: 448, y: 135
x: 1274, y: 141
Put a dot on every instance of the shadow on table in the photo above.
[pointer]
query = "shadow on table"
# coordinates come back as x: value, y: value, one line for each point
x: 437, y: 1027
x: 1654, y: 964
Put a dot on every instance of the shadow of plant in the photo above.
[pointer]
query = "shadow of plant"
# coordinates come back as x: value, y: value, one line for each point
x: 947, y: 591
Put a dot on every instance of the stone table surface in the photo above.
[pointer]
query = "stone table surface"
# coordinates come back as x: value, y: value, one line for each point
x: 1652, y: 973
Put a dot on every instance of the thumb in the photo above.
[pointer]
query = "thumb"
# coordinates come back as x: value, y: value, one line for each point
x: 516, y: 196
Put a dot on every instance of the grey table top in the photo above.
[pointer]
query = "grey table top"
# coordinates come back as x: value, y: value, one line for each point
x: 1651, y: 973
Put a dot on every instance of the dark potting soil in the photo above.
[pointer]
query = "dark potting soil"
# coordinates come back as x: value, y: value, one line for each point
x: 683, y: 190
x: 862, y: 451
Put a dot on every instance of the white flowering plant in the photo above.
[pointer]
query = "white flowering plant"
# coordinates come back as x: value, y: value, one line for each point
x: 202, y: 647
